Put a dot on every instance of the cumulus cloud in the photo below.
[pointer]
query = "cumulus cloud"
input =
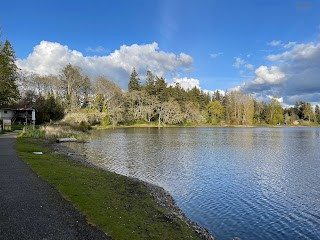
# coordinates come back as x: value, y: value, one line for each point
x: 51, y: 57
x: 272, y: 75
x: 267, y: 80
x: 274, y: 43
x: 294, y: 74
x: 238, y: 62
x: 186, y: 83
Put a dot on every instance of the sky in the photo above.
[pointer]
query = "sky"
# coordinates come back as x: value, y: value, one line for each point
x: 268, y: 48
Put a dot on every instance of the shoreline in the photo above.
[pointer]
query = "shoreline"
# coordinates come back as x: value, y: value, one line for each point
x: 98, y: 127
x: 159, y: 194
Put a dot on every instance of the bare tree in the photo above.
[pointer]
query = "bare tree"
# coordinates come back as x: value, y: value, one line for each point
x: 74, y: 86
x: 151, y: 105
x: 192, y: 113
x: 170, y: 112
x: 247, y: 109
x: 109, y: 99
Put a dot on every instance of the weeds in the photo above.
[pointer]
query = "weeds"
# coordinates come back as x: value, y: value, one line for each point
x: 51, y: 133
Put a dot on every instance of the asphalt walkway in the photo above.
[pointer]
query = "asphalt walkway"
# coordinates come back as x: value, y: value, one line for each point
x: 30, y: 208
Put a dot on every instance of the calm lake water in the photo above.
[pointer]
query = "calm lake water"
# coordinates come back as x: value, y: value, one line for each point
x: 252, y: 183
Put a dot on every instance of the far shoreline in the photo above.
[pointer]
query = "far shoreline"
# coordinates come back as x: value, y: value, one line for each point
x: 99, y: 127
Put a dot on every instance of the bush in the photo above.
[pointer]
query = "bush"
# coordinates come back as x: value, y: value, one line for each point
x: 84, y: 126
x: 51, y: 133
x: 105, y: 121
x: 33, y: 132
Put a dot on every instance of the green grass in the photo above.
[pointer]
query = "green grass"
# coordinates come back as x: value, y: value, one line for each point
x: 13, y: 128
x: 120, y: 206
x: 17, y: 127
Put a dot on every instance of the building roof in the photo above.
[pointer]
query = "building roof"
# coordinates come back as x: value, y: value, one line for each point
x: 24, y: 108
x: 20, y: 108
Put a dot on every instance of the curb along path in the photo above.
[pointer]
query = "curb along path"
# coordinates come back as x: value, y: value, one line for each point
x: 30, y: 208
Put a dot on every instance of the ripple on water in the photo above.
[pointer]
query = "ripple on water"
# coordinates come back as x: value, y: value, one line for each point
x: 253, y: 183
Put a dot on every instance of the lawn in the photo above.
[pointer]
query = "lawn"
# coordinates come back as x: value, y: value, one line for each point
x: 120, y: 206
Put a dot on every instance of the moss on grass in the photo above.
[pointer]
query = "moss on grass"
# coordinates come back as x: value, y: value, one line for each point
x: 120, y: 206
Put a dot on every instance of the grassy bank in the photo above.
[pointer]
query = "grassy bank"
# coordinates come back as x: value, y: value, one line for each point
x: 120, y: 206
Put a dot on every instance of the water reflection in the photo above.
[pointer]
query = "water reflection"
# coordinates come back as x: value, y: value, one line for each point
x: 254, y: 183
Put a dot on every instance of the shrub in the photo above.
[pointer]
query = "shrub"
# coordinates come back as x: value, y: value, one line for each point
x: 84, y: 126
x: 105, y: 121
x: 51, y: 133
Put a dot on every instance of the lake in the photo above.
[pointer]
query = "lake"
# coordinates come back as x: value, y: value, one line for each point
x: 251, y: 183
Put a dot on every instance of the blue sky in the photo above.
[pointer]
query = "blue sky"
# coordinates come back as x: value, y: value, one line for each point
x: 268, y: 48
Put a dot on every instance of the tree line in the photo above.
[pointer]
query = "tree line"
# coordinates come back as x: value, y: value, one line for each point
x: 154, y: 101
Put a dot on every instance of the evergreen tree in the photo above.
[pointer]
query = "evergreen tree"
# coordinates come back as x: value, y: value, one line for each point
x: 150, y: 81
x: 226, y: 104
x: 299, y: 108
x: 161, y: 89
x: 217, y: 96
x: 8, y: 75
x: 134, y: 81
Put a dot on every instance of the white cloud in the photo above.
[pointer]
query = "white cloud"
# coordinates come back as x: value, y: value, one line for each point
x: 190, y: 83
x: 290, y: 45
x: 234, y: 89
x: 50, y: 58
x: 184, y: 58
x: 272, y: 75
x: 186, y: 83
x: 299, y: 52
x: 274, y: 43
x: 238, y: 62
x: 249, y: 66
x: 98, y: 49
x: 279, y: 100
x: 294, y: 76
x: 215, y: 55
x: 212, y: 92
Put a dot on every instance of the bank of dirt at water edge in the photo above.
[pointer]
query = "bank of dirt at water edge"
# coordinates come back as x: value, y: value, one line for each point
x: 160, y: 195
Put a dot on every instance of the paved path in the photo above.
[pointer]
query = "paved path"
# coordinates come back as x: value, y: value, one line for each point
x: 30, y: 208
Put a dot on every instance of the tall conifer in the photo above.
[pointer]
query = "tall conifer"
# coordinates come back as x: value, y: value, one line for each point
x: 134, y: 81
x: 8, y: 75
